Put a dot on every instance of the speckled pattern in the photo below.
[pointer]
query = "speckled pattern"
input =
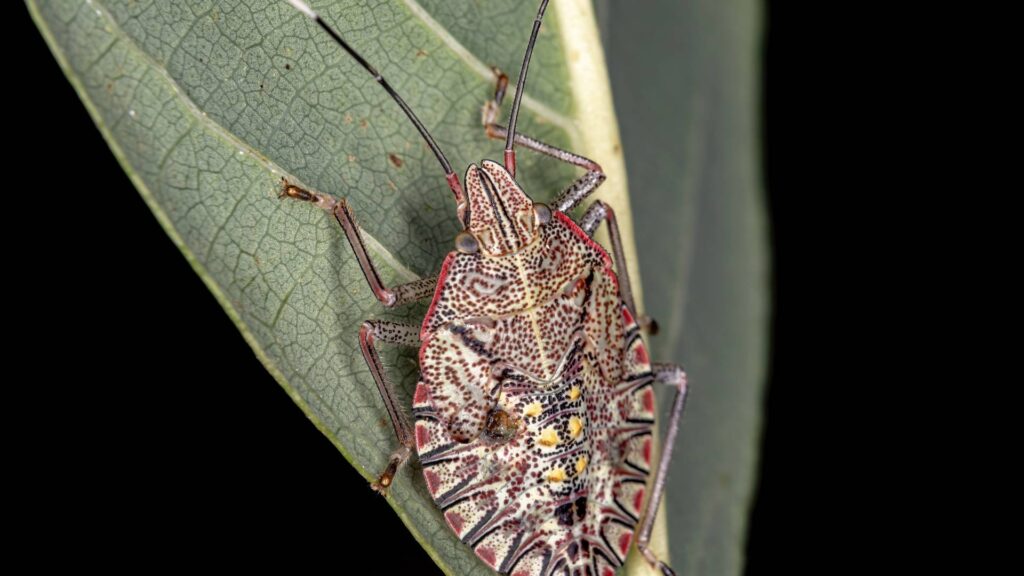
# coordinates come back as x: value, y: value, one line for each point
x: 534, y: 407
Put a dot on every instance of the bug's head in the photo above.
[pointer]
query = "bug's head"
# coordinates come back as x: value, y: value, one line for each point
x: 500, y: 217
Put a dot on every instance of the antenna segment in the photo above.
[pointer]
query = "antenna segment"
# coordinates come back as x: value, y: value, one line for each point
x: 510, y: 154
x: 453, y: 179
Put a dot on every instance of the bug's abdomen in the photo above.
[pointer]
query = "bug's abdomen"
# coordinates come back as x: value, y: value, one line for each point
x: 555, y: 477
x: 520, y: 491
x: 534, y: 409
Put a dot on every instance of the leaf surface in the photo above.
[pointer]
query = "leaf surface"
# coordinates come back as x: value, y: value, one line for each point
x: 209, y: 104
x: 687, y: 90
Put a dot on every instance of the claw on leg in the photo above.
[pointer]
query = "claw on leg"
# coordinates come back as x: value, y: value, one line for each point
x: 383, y: 483
x: 489, y: 113
x: 658, y: 565
x: 648, y: 324
x: 289, y: 190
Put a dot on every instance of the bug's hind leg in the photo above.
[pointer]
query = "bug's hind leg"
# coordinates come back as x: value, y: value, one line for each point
x: 672, y: 375
x: 592, y: 218
x: 388, y: 296
x: 581, y: 187
x: 403, y: 335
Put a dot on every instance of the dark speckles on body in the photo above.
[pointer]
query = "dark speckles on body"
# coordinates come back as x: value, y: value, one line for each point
x: 530, y: 421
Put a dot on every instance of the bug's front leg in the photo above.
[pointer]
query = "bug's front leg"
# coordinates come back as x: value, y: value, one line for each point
x: 403, y: 335
x: 672, y: 375
x: 489, y: 114
x: 581, y: 187
x: 388, y: 296
x: 374, y: 330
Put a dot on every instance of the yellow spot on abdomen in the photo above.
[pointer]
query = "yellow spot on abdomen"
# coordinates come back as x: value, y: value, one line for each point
x: 549, y: 437
x: 533, y: 410
x: 556, y: 475
x: 581, y: 465
x: 574, y: 393
x: 575, y: 426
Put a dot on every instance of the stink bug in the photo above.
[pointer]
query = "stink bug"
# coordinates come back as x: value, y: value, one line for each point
x: 534, y: 410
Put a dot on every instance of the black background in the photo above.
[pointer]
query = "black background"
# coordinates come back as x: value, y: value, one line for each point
x: 125, y: 429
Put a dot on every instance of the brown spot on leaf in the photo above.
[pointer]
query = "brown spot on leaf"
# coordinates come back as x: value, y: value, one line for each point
x: 395, y: 160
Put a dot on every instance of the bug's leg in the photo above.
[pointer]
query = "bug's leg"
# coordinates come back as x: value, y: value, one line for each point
x: 489, y: 114
x: 592, y: 218
x: 388, y: 296
x: 672, y: 375
x: 574, y: 194
x: 403, y: 335
x: 579, y: 189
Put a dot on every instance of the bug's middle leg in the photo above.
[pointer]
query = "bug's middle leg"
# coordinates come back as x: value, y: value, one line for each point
x: 592, y: 218
x: 403, y: 335
x: 575, y: 192
x: 674, y: 376
x: 389, y: 296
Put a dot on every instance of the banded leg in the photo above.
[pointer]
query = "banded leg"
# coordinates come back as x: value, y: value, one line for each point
x: 388, y: 296
x: 402, y: 335
x: 674, y: 376
x: 581, y: 187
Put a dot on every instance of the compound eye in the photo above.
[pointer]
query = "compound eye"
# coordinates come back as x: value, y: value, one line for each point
x: 543, y: 213
x: 466, y: 243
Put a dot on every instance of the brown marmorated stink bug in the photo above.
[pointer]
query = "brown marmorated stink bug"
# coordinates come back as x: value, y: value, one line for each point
x: 535, y: 405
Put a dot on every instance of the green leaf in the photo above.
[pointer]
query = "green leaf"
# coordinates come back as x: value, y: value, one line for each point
x: 686, y: 81
x: 208, y: 104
